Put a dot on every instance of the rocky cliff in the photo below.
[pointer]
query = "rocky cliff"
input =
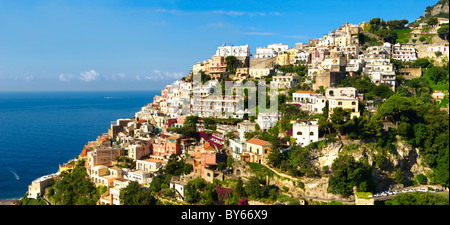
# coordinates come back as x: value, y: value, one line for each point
x: 405, y: 157
x: 440, y: 9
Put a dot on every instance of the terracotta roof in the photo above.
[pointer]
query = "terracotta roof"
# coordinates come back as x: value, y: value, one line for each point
x: 141, y: 121
x: 257, y: 141
x: 208, y: 146
x: 305, y: 92
x: 84, y: 152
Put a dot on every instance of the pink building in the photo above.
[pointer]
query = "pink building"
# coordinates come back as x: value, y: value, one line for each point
x: 168, y: 122
x: 181, y: 119
x: 318, y: 55
x: 166, y: 145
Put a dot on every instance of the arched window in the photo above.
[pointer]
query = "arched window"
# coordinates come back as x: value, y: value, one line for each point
x: 299, y: 133
x: 311, y: 133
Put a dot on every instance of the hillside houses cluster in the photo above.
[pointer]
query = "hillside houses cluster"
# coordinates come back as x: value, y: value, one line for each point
x: 147, y: 142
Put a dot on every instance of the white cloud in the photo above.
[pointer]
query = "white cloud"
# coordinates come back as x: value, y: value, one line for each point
x: 220, y: 12
x: 89, y: 76
x: 119, y: 76
x: 65, y: 77
x: 29, y: 78
x: 160, y: 75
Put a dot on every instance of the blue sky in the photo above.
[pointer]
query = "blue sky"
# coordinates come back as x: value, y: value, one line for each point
x: 56, y: 45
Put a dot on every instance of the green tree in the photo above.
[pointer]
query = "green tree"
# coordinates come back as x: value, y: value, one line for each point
x: 230, y: 162
x: 375, y: 24
x: 132, y: 194
x: 253, y: 188
x: 432, y: 21
x: 387, y: 35
x: 399, y: 176
x: 415, y: 198
x: 239, y: 190
x: 394, y: 108
x: 422, y: 179
x: 191, y: 195
x: 347, y: 173
x: 396, y: 24
x: 443, y: 32
x: 339, y: 119
x: 232, y: 64
x: 423, y: 63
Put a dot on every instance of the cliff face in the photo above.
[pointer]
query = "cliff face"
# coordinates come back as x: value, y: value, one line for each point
x: 406, y: 158
x: 439, y: 8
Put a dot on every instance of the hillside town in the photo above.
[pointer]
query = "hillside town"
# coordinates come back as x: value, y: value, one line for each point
x: 195, y: 123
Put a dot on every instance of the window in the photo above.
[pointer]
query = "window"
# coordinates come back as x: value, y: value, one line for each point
x: 299, y: 133
x: 339, y: 103
x: 311, y: 133
x: 353, y: 103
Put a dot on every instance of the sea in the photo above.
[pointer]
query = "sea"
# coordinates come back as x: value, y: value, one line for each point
x: 41, y: 130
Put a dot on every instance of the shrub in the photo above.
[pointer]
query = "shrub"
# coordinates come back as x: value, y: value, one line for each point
x: 421, y: 179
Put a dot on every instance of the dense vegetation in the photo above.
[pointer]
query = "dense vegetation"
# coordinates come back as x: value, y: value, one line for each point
x: 175, y: 167
x: 74, y: 188
x: 133, y: 194
x: 347, y: 173
x: 425, y: 126
x: 418, y: 198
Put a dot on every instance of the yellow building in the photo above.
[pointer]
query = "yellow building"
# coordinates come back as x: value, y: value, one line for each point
x: 287, y: 57
x: 283, y: 59
x: 257, y: 151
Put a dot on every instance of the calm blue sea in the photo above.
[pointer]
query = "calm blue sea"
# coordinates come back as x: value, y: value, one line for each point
x: 40, y: 130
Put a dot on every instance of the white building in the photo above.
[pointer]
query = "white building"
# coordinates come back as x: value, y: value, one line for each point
x: 349, y: 50
x: 266, y: 121
x: 380, y: 71
x: 149, y: 165
x: 142, y: 177
x: 302, y: 57
x: 260, y: 72
x: 265, y: 53
x: 237, y: 147
x: 354, y: 65
x: 440, y: 48
x: 341, y: 92
x: 278, y: 47
x: 37, y: 186
x: 305, y: 132
x: 285, y: 81
x: 343, y: 97
x: 245, y: 127
x: 237, y: 51
x: 310, y: 101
